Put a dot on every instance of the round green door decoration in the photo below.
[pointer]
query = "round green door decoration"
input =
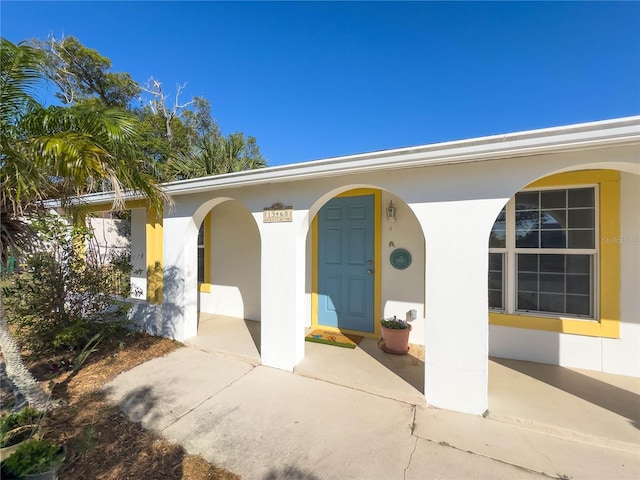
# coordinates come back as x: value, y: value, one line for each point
x: 400, y: 258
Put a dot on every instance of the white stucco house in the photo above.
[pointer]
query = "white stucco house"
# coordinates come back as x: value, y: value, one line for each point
x: 524, y: 246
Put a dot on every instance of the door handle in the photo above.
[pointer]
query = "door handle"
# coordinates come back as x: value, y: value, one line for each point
x: 370, y: 272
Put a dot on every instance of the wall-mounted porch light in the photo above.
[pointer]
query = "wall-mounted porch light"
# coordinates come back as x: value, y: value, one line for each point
x: 391, y: 213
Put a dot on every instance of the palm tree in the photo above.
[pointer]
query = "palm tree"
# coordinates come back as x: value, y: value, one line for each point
x: 58, y: 152
x: 215, y: 155
x: 242, y: 153
x: 54, y: 153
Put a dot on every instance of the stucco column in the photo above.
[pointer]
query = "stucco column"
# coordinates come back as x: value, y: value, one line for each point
x: 456, y: 304
x: 180, y: 282
x: 282, y: 298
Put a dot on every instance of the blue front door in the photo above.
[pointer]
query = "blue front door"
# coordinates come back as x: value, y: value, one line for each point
x: 345, y: 263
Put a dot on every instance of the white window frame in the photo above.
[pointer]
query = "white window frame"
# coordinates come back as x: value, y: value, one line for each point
x: 503, y: 252
x: 510, y: 252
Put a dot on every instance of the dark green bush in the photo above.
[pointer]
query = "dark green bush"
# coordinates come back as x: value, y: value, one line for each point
x: 34, y: 456
x: 25, y: 416
x: 61, y: 298
x: 394, y: 323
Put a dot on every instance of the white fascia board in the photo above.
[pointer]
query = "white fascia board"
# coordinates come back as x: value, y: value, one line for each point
x: 97, y: 198
x: 551, y: 140
x: 582, y: 136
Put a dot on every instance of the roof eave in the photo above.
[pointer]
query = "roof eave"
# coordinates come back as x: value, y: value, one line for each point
x: 607, y: 133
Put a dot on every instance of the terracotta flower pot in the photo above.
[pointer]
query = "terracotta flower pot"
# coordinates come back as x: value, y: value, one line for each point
x: 396, y: 340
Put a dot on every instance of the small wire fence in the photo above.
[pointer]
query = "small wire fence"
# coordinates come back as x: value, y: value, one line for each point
x: 117, y: 277
x: 117, y: 280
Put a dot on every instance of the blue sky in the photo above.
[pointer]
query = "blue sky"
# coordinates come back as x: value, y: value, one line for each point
x: 313, y: 80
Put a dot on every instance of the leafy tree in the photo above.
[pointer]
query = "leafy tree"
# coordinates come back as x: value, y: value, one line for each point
x: 19, y: 75
x: 155, y: 146
x: 61, y: 152
x: 174, y: 133
x: 198, y: 120
x: 176, y: 137
x: 81, y: 73
x: 57, y: 153
x: 91, y: 143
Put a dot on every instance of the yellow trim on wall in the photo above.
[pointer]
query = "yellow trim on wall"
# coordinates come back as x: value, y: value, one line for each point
x: 576, y: 178
x: 610, y: 258
x: 205, y: 286
x: 79, y: 243
x: 377, y: 261
x: 377, y: 253
x: 608, y: 324
x: 314, y: 272
x: 154, y: 256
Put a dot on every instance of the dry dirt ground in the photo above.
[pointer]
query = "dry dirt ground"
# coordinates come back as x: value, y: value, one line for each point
x: 101, y: 443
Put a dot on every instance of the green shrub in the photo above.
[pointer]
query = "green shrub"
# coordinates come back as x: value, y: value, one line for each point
x: 394, y: 323
x: 34, y: 456
x: 61, y: 298
x: 25, y: 416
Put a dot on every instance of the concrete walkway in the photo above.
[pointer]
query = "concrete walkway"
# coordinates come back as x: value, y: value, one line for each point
x: 583, y: 404
x: 263, y: 423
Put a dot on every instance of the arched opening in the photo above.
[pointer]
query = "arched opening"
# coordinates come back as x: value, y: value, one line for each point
x: 395, y: 290
x: 228, y: 272
x: 563, y: 310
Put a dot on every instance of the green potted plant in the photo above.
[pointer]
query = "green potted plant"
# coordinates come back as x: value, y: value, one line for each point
x: 395, y: 333
x: 17, y: 427
x: 36, y: 459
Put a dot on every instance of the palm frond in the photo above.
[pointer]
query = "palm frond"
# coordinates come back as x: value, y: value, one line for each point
x: 20, y: 73
x: 16, y: 236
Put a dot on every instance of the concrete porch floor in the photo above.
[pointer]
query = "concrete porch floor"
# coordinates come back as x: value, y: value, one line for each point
x: 570, y: 403
x: 230, y: 336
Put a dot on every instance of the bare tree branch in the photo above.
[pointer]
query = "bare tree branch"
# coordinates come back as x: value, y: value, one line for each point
x: 176, y: 104
x: 158, y: 103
